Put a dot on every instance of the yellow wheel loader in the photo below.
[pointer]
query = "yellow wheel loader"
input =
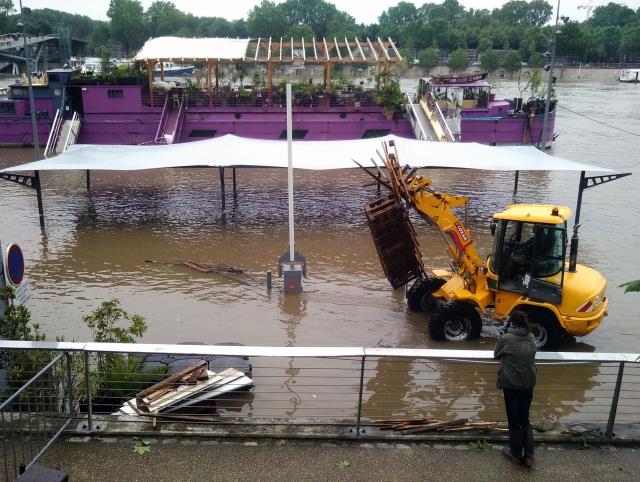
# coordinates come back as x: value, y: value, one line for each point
x: 527, y: 268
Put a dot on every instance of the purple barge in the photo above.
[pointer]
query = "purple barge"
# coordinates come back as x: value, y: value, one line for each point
x: 466, y: 110
x: 137, y: 109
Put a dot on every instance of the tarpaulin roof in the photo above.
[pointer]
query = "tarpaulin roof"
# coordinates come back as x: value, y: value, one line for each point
x: 233, y: 151
x: 191, y: 49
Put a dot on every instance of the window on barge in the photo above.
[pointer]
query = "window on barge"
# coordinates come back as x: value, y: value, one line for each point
x: 115, y: 94
x: 202, y: 133
x: 296, y: 134
x: 371, y: 133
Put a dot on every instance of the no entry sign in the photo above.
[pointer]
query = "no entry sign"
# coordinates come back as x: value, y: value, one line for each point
x: 15, y: 264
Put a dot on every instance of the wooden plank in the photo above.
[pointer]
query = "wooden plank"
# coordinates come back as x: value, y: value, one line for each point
x: 170, y: 379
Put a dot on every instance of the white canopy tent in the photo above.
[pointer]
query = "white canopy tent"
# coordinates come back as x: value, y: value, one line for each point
x: 177, y: 48
x: 233, y: 151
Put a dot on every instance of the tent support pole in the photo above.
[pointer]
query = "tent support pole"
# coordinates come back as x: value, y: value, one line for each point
x: 515, y: 183
x: 162, y: 71
x: 235, y: 191
x: 36, y: 179
x: 222, y: 190
x: 88, y: 180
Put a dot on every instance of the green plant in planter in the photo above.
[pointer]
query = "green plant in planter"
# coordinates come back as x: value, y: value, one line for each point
x: 391, y: 97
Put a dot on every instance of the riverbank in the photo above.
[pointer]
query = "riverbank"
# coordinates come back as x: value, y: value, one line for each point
x: 187, y: 460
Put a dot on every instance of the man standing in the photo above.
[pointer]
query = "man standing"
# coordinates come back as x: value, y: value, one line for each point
x: 516, y: 350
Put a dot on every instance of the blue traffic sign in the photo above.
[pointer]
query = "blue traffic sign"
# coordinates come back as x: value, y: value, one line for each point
x: 15, y: 264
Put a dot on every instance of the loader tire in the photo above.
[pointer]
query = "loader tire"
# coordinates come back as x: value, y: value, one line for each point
x: 546, y: 331
x: 455, y: 321
x: 419, y: 296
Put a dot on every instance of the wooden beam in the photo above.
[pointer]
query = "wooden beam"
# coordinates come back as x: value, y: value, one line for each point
x: 315, y: 52
x: 269, y: 50
x: 150, y: 64
x: 304, y: 53
x: 373, y: 51
x: 395, y: 49
x: 291, y: 49
x: 280, y: 49
x: 360, y: 49
x: 335, y: 41
x: 384, y: 49
x: 349, y: 49
x: 257, y: 49
x: 326, y: 49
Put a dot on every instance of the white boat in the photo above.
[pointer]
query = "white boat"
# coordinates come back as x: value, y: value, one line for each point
x: 171, y: 69
x: 630, y: 76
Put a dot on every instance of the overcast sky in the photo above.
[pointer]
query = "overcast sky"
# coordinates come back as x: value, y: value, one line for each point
x: 366, y: 11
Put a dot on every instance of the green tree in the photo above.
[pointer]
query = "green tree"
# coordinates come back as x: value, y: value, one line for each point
x: 519, y: 12
x: 127, y: 23
x: 630, y: 42
x: 536, y: 60
x: 512, y: 61
x: 99, y: 37
x: 267, y: 20
x: 458, y: 60
x: 573, y: 40
x: 484, y: 44
x: 317, y: 14
x: 612, y: 14
x: 429, y: 59
x: 490, y: 60
x: 6, y: 8
x: 163, y: 18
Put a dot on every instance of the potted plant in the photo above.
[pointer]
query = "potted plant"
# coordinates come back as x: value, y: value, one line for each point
x: 391, y: 98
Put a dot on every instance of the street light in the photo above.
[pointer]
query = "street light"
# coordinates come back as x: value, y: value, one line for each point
x: 34, y: 124
x: 549, y: 68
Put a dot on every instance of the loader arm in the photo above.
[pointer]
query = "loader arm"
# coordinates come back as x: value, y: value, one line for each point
x: 437, y: 208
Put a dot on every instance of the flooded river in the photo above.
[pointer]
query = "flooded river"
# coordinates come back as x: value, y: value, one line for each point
x: 96, y: 244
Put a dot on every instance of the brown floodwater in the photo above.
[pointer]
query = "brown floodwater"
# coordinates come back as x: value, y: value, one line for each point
x: 96, y: 243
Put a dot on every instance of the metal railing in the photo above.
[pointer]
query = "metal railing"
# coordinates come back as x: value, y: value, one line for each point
x: 158, y: 139
x: 347, y: 387
x: 34, y: 415
x: 73, y: 132
x: 54, y: 134
x: 415, y: 120
x: 433, y: 104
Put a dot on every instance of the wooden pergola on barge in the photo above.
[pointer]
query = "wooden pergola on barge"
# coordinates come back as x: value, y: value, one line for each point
x: 213, y: 52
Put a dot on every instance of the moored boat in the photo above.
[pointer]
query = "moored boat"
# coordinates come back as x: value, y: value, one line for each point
x: 630, y: 76
x: 467, y: 110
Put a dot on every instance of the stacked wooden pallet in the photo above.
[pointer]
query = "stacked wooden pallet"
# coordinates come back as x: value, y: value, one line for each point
x: 395, y: 240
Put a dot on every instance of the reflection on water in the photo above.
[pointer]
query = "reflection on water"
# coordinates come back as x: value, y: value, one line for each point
x: 97, y: 242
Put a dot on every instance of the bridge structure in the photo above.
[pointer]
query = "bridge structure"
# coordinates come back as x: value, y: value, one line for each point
x: 12, y: 48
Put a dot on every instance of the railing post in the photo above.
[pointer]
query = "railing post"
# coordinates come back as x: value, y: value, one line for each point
x: 614, y: 403
x: 70, y: 383
x: 87, y: 379
x: 361, y: 389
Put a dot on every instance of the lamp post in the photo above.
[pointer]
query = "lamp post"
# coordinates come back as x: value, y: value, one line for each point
x: 34, y: 124
x: 549, y: 67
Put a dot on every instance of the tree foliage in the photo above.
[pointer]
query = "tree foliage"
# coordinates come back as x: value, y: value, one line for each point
x: 490, y: 60
x: 127, y: 23
x: 428, y: 58
x: 458, y: 60
x: 512, y: 61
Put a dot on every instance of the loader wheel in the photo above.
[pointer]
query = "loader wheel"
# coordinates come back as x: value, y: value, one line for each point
x: 546, y: 331
x: 419, y: 297
x: 455, y: 321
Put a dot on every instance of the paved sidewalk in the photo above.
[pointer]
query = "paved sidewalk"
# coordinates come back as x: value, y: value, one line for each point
x: 191, y: 460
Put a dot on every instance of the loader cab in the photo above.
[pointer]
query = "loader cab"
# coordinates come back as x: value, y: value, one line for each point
x: 529, y: 251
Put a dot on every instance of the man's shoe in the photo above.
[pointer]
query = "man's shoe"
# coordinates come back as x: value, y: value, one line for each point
x: 506, y: 451
x: 528, y: 462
